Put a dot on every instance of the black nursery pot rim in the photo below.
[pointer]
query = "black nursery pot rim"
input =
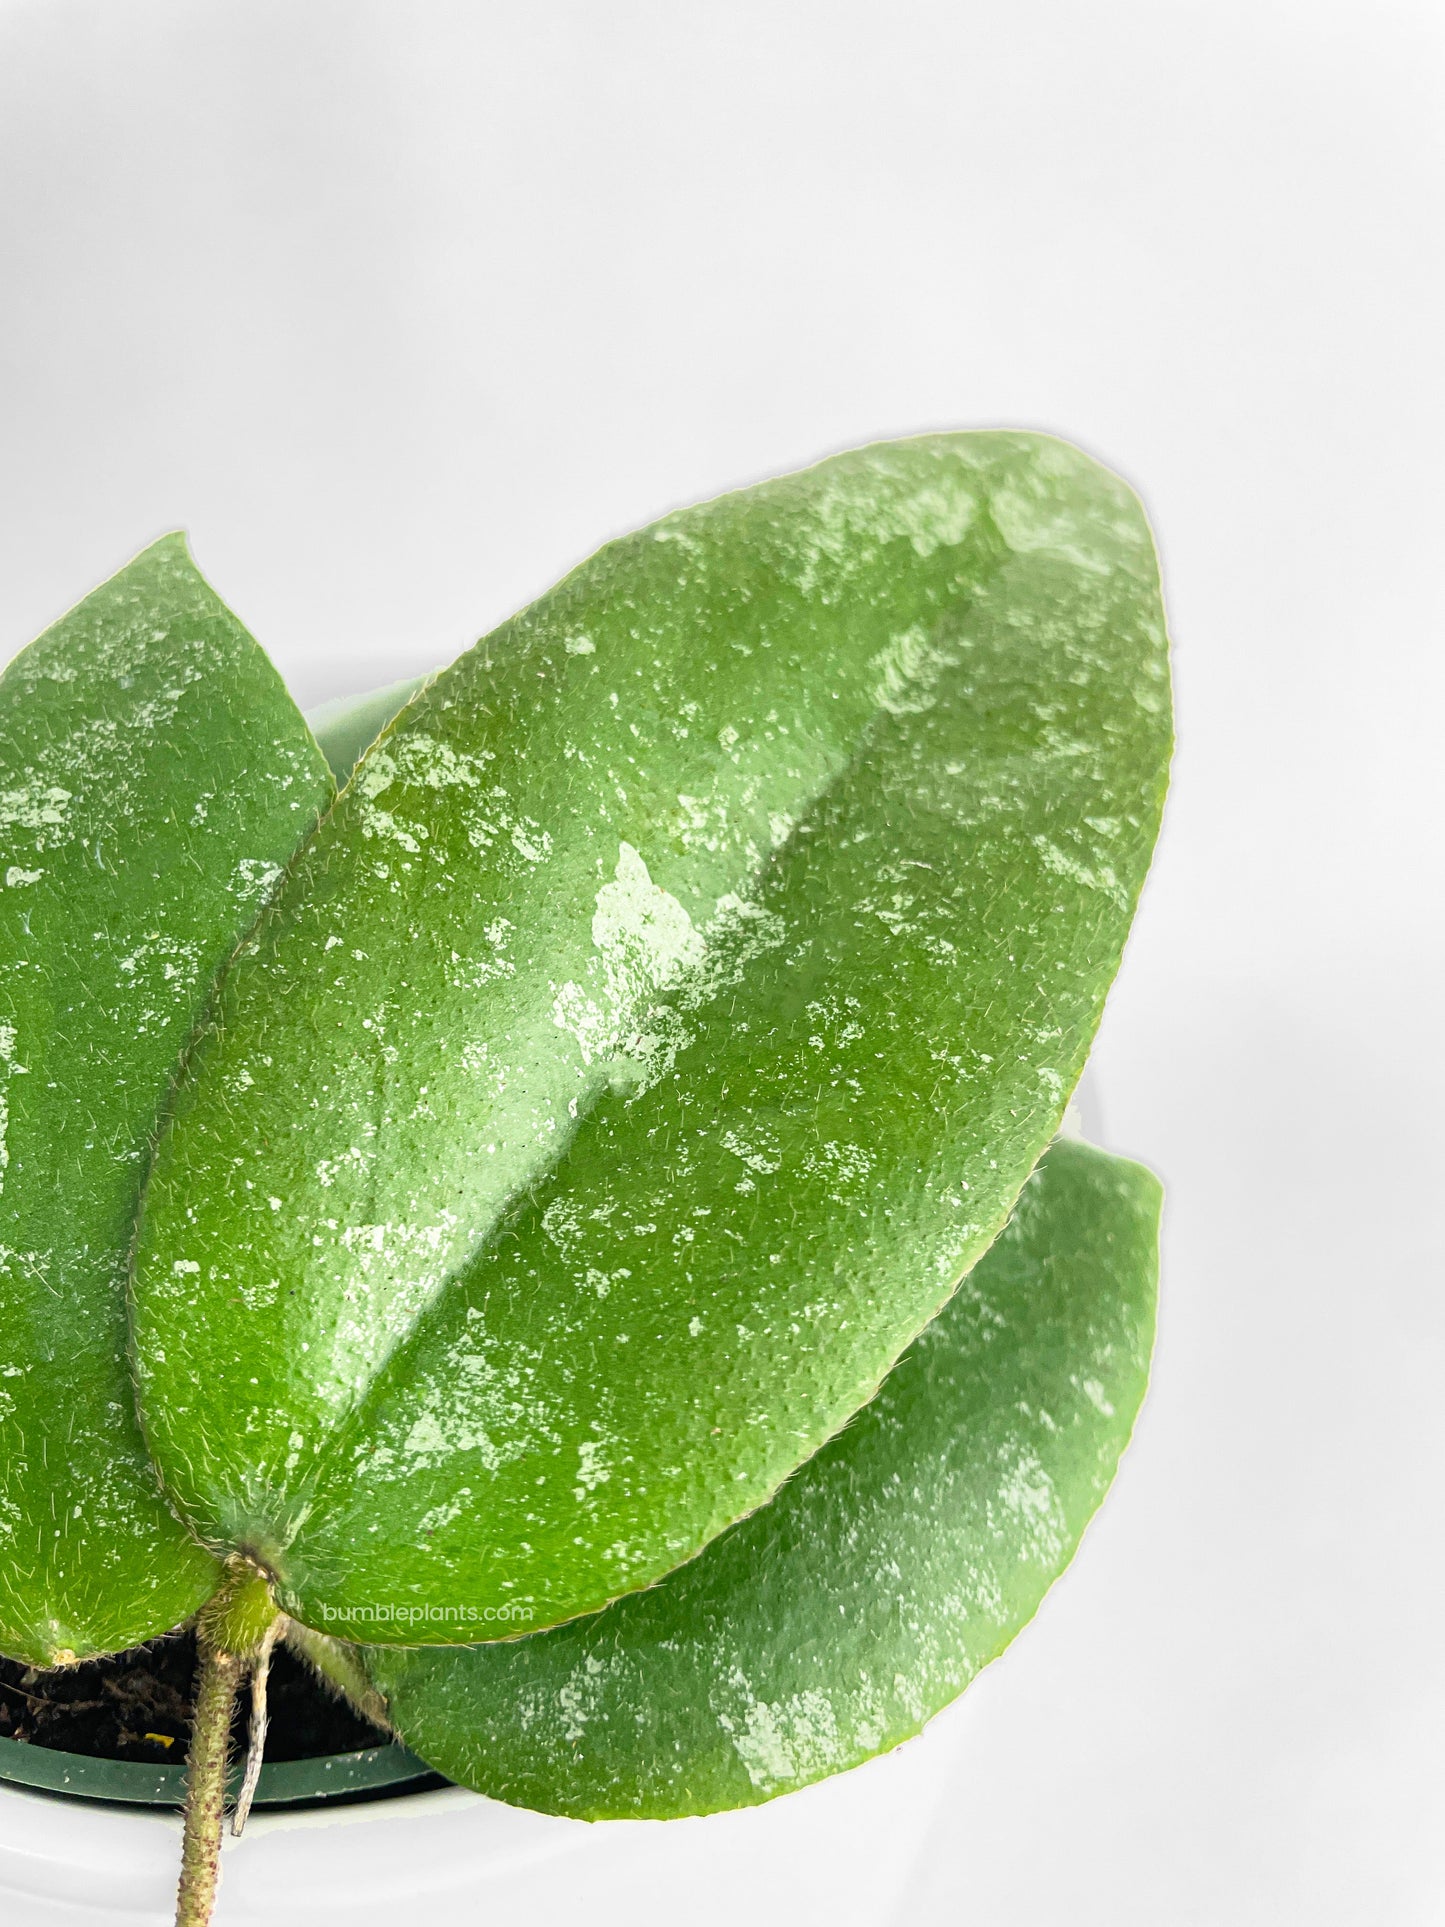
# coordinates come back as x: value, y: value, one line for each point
x: 333, y: 1778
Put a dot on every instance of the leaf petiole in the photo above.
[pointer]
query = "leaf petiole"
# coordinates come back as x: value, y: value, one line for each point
x: 338, y: 1665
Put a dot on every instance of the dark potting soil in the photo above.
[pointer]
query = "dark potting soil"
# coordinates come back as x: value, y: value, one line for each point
x: 137, y: 1706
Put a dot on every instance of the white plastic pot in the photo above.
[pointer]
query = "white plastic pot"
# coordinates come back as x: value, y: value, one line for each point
x: 840, y: 1853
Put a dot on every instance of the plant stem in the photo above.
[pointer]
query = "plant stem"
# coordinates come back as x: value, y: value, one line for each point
x: 233, y: 1630
x: 338, y: 1666
x: 216, y: 1683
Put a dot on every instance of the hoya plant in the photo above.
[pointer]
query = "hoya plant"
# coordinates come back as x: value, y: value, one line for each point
x: 568, y: 1229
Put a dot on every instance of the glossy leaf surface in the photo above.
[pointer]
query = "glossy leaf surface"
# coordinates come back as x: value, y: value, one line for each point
x: 677, y: 998
x: 902, y: 1559
x: 154, y: 775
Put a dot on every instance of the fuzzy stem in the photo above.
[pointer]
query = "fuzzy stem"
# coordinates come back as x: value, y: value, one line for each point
x: 233, y: 1630
x: 339, y: 1667
x: 220, y: 1675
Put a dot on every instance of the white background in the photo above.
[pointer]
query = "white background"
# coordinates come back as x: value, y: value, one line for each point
x: 402, y: 308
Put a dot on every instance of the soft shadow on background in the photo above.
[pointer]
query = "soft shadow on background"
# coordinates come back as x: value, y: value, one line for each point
x: 402, y: 309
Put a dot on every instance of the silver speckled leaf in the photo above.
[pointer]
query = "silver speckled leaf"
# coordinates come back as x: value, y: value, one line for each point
x: 661, y: 1024
x: 867, y: 1594
x: 154, y: 776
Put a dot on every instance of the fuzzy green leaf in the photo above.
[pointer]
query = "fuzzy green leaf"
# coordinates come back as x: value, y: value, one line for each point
x: 903, y: 1558
x: 679, y: 994
x: 154, y: 775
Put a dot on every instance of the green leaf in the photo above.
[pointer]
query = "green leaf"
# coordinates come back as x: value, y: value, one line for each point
x: 681, y: 992
x: 153, y: 776
x: 833, y: 1623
